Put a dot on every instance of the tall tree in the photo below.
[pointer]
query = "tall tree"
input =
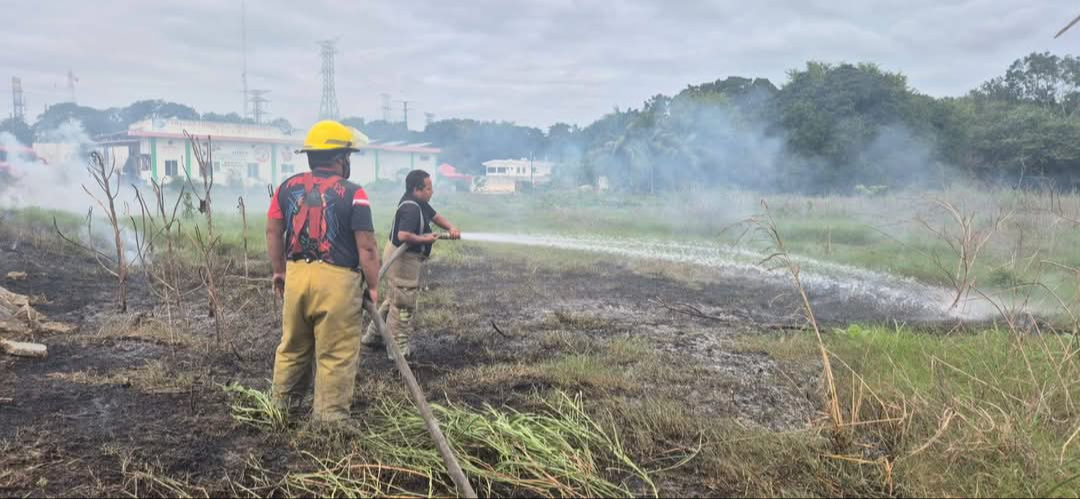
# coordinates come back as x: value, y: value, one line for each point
x: 1043, y: 79
x: 22, y: 132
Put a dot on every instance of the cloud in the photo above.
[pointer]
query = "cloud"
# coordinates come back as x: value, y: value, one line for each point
x: 530, y: 61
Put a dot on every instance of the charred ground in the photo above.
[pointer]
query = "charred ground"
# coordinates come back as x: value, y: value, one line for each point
x: 134, y: 403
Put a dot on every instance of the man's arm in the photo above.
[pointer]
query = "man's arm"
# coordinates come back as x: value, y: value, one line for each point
x: 275, y: 247
x: 368, y: 251
x: 407, y: 220
x: 411, y: 239
x: 441, y: 221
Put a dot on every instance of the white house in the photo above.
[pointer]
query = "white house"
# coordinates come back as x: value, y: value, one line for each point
x: 244, y: 156
x: 392, y: 161
x: 510, y: 175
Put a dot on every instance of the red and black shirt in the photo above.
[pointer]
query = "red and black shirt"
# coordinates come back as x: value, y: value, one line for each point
x: 322, y: 211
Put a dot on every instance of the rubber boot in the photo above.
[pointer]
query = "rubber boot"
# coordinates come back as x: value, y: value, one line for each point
x: 401, y: 333
x: 372, y: 338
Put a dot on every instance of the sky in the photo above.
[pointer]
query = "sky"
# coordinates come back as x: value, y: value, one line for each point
x: 530, y: 62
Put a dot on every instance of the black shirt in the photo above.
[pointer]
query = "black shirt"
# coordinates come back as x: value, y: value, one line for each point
x: 346, y: 211
x: 413, y: 216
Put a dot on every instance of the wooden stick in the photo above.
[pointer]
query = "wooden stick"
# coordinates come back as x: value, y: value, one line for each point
x: 464, y: 488
x: 497, y: 330
x: 20, y: 349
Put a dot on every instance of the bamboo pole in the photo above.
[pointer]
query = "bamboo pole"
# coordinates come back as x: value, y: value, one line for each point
x: 464, y: 488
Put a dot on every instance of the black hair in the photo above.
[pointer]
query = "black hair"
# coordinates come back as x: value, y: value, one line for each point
x: 414, y: 181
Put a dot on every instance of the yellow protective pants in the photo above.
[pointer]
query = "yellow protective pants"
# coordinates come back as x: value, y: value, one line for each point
x: 321, y: 326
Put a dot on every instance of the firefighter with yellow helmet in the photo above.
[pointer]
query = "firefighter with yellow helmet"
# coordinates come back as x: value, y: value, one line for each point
x: 321, y: 242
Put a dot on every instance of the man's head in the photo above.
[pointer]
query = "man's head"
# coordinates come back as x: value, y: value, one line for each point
x: 329, y: 145
x: 418, y: 183
x: 336, y: 160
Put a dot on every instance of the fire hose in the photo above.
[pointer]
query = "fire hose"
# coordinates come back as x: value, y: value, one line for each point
x: 464, y: 488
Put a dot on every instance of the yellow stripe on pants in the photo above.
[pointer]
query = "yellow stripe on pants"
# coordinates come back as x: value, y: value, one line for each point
x: 321, y: 330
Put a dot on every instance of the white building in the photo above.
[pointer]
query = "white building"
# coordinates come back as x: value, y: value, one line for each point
x: 511, y: 175
x: 392, y: 161
x: 245, y: 156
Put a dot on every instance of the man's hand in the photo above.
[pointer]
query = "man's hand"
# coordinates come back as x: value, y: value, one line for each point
x: 368, y: 252
x: 430, y: 238
x: 279, y: 284
x: 455, y: 233
x: 275, y: 248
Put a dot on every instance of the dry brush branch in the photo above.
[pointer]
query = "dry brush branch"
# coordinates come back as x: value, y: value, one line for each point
x: 103, y: 175
x: 966, y: 240
x: 767, y: 224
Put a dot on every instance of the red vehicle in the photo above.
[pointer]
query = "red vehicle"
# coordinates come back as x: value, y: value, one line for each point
x: 10, y: 159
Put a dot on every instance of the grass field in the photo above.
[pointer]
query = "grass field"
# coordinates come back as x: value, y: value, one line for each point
x: 583, y: 401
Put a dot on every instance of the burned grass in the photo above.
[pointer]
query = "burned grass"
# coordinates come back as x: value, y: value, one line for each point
x: 146, y: 387
x: 579, y: 368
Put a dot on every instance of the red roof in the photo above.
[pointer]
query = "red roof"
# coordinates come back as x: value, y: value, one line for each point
x: 448, y: 171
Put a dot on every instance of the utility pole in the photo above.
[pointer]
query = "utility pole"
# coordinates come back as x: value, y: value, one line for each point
x: 385, y: 107
x: 258, y: 101
x: 405, y: 112
x: 71, y: 81
x: 243, y: 52
x: 18, y: 104
x: 328, y: 109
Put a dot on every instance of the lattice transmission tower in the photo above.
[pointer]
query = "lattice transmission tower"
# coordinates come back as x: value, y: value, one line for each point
x: 328, y: 109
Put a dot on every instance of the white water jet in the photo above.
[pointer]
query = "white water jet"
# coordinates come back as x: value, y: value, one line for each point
x: 819, y: 277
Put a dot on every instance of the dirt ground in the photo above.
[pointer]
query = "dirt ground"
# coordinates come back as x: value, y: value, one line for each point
x: 126, y: 393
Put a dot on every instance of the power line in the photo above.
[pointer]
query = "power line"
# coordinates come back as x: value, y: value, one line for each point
x: 405, y: 111
x: 243, y: 52
x: 328, y: 109
x: 385, y: 107
x: 18, y: 103
x: 258, y: 103
x: 71, y: 80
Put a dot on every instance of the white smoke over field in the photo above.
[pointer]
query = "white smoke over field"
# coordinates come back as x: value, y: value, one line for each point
x: 60, y: 179
x: 57, y: 184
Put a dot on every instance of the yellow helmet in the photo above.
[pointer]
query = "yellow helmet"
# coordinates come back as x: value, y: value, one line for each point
x: 360, y: 138
x: 329, y: 135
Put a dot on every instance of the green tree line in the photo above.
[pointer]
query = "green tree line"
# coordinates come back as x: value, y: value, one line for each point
x: 828, y: 128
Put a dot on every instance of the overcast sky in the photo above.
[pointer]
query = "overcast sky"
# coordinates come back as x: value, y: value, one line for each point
x: 533, y: 62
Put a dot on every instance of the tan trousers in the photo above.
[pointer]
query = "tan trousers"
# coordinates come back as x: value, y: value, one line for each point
x: 399, y: 306
x: 321, y: 326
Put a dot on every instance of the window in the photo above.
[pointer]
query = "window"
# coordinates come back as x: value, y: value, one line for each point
x: 253, y: 170
x: 361, y: 153
x: 287, y: 168
x: 425, y: 157
x: 171, y: 167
